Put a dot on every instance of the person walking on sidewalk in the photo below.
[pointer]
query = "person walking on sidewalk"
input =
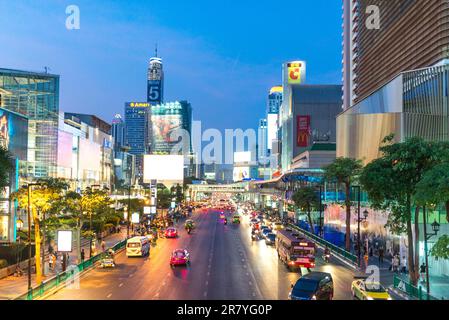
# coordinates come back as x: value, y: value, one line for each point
x: 381, y: 256
x: 422, y: 270
x: 404, y: 265
x: 82, y: 255
x: 50, y: 261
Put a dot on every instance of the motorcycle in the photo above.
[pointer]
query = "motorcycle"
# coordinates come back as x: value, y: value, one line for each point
x: 226, y: 221
x: 327, y: 257
x: 189, y: 230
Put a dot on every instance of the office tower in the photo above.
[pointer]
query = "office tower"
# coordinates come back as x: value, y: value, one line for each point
x: 118, y: 132
x: 138, y: 131
x: 155, y: 87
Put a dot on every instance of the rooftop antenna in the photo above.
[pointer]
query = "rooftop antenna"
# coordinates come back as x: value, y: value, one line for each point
x: 156, y: 50
x: 46, y: 69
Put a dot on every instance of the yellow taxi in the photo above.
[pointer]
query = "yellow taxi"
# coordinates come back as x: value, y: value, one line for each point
x: 363, y: 290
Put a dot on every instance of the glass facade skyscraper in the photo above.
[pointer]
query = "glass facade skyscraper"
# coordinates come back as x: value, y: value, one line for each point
x: 138, y: 132
x: 35, y: 95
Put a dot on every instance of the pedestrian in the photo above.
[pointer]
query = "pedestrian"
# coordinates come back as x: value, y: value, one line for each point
x: 82, y: 255
x: 50, y: 261
x: 404, y: 265
x: 366, y: 258
x: 422, y: 271
x: 395, y: 263
x: 381, y: 256
x: 103, y: 245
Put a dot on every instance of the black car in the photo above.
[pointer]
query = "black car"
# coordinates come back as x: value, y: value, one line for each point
x: 270, y: 238
x: 313, y: 286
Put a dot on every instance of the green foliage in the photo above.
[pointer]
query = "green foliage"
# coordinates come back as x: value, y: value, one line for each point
x: 440, y: 250
x: 3, y: 263
x: 306, y: 199
x: 342, y: 170
x: 6, y: 165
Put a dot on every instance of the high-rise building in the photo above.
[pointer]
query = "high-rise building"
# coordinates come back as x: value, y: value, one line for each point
x: 393, y: 76
x: 138, y: 132
x: 155, y: 88
x: 118, y: 132
x: 402, y: 39
x: 35, y: 95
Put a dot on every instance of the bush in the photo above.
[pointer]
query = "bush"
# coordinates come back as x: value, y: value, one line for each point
x: 3, y: 263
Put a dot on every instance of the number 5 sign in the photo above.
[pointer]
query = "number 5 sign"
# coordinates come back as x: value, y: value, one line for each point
x: 154, y: 91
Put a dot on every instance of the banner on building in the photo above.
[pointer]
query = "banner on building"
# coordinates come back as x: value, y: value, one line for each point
x: 303, y: 131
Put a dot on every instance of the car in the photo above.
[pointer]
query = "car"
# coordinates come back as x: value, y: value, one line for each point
x: 363, y: 290
x: 265, y: 232
x: 171, y: 232
x: 179, y: 257
x: 253, y: 221
x: 270, y: 239
x: 313, y: 286
x: 108, y: 260
x: 276, y: 226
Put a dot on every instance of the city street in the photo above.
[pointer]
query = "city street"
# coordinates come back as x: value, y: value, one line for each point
x: 225, y: 265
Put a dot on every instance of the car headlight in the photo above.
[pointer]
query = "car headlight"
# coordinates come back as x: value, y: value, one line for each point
x: 369, y: 298
x: 389, y: 298
x: 314, y: 297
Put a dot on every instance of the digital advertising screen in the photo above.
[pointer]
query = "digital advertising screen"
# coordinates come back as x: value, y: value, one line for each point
x: 163, y: 168
x: 14, y: 133
x: 165, y: 129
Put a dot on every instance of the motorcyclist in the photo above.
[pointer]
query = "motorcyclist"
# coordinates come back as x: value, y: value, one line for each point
x: 327, y: 254
x: 226, y: 221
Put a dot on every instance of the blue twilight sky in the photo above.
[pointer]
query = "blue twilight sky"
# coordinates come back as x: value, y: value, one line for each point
x: 221, y: 55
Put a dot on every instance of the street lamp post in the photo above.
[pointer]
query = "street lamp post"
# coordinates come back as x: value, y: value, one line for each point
x: 19, y: 226
x: 427, y: 236
x: 359, y: 220
x: 29, y: 187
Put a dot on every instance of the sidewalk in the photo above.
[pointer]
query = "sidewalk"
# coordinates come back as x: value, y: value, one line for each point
x: 11, y: 287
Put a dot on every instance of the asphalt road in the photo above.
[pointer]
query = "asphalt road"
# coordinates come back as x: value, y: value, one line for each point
x: 225, y: 265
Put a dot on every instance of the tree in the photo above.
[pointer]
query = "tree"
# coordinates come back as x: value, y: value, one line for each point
x: 440, y: 249
x: 343, y: 171
x: 44, y: 199
x: 433, y: 188
x: 82, y: 208
x: 5, y: 167
x: 306, y: 199
x: 391, y: 183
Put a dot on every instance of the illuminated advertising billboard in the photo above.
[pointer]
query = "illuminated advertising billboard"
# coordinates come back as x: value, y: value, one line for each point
x: 64, y: 241
x: 163, y: 168
x: 14, y: 133
x: 154, y: 91
x: 303, y: 131
x: 167, y: 122
x: 241, y: 173
x: 137, y: 104
x: 242, y: 157
x: 296, y: 72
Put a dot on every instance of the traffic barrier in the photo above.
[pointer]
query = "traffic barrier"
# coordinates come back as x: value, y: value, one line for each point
x: 336, y: 250
x: 409, y: 289
x: 65, y: 276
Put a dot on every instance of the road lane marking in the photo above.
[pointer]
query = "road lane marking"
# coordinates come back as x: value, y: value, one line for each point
x: 109, y: 295
x: 120, y: 285
x: 250, y: 283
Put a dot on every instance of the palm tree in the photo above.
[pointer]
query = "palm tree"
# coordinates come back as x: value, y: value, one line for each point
x: 343, y: 171
x: 307, y: 200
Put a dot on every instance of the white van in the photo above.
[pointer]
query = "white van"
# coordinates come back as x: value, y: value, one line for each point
x: 137, y: 247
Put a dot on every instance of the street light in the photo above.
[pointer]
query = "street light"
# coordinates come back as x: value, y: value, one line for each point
x: 29, y: 187
x: 19, y: 226
x: 435, y: 228
x: 359, y: 220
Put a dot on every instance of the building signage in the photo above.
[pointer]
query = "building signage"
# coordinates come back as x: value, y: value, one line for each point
x: 138, y: 104
x: 64, y: 241
x: 296, y: 72
x: 154, y: 91
x: 303, y: 131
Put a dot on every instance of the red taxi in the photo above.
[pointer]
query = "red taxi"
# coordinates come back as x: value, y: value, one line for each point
x: 179, y: 257
x: 171, y: 233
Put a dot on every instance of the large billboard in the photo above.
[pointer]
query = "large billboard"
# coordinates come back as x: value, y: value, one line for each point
x: 14, y: 133
x: 296, y: 72
x: 167, y: 122
x: 303, y: 131
x: 242, y: 157
x: 241, y: 173
x: 163, y: 168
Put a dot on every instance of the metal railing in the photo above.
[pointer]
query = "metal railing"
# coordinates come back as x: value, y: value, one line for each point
x: 336, y: 250
x: 66, y: 276
x: 409, y: 289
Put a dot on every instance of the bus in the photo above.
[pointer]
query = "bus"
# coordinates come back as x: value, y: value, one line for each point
x: 295, y: 251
